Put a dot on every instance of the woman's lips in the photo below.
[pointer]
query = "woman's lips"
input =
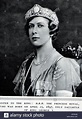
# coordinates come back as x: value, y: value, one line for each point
x: 35, y: 38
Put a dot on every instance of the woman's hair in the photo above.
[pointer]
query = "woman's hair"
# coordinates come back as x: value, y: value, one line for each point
x: 53, y: 29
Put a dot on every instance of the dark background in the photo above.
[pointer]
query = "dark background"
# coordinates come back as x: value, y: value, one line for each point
x: 14, y: 44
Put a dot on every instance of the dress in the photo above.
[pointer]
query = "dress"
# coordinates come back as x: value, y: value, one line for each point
x: 58, y: 73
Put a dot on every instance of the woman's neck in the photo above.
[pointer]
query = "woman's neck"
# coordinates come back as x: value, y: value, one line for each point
x: 44, y: 51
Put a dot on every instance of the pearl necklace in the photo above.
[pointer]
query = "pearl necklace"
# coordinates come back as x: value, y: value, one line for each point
x: 39, y: 63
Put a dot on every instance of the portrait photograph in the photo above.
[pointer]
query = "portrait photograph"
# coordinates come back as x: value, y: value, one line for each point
x: 41, y: 48
x: 40, y: 59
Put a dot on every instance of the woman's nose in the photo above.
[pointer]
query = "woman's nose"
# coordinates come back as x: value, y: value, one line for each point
x: 34, y: 30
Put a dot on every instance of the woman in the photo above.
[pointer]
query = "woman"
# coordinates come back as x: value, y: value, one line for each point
x: 45, y: 72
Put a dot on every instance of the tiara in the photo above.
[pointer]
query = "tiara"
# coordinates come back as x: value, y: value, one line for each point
x: 37, y: 10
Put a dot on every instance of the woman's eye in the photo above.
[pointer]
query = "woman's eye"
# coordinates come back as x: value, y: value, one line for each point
x: 40, y: 25
x: 31, y: 26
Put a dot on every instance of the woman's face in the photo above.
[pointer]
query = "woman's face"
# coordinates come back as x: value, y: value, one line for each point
x: 39, y: 31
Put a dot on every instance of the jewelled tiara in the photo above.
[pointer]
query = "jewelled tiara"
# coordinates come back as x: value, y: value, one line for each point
x: 37, y: 10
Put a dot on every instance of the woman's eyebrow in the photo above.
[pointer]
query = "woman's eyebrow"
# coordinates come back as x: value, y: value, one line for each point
x: 31, y: 23
x: 37, y: 23
x: 40, y: 23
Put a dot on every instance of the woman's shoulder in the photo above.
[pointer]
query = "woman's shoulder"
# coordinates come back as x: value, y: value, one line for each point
x: 66, y: 65
x: 28, y: 58
x: 22, y: 69
x: 66, y: 73
x: 60, y: 60
x: 63, y: 62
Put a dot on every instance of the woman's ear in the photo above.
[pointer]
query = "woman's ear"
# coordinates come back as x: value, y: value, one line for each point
x: 52, y: 26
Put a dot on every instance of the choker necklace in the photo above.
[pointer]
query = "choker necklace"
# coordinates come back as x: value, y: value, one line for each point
x: 42, y: 61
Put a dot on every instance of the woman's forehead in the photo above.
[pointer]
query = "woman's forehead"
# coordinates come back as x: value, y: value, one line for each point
x: 39, y: 19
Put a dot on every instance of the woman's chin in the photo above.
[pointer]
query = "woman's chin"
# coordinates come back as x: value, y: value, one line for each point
x: 36, y: 45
